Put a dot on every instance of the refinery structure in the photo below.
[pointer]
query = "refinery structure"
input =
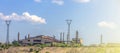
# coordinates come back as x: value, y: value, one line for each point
x: 45, y: 39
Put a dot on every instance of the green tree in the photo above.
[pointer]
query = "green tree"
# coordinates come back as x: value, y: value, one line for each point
x: 15, y: 43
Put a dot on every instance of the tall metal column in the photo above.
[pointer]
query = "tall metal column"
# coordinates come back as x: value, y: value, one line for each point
x: 68, y: 35
x: 8, y: 24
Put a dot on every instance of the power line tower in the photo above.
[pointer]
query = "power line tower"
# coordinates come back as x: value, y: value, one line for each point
x: 8, y: 24
x: 68, y: 34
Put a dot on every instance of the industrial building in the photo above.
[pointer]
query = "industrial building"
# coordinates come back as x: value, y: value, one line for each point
x: 41, y: 39
x: 77, y: 40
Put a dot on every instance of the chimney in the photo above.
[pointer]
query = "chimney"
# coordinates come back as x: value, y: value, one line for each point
x: 54, y: 36
x: 76, y: 36
x: 25, y: 37
x: 28, y: 36
x: 60, y: 36
x: 18, y: 36
x: 63, y: 37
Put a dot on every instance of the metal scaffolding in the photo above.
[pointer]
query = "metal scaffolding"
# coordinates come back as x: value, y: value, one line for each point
x: 7, y: 37
x: 68, y: 34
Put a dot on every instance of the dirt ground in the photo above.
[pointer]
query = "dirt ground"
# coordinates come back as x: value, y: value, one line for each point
x: 64, y: 50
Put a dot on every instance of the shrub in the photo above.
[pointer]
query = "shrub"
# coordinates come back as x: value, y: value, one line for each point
x: 47, y: 52
x: 36, y: 51
x: 15, y: 43
x: 31, y: 50
x: 0, y: 48
x: 4, y: 46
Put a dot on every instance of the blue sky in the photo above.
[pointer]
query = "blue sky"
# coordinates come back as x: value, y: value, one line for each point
x: 90, y: 17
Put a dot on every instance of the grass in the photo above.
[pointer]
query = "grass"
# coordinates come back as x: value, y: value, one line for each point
x: 84, y: 50
x: 65, y: 50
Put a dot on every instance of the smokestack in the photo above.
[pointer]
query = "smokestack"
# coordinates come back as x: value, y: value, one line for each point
x: 28, y: 36
x: 76, y: 36
x: 18, y: 36
x: 54, y: 36
x: 63, y: 37
x: 25, y: 37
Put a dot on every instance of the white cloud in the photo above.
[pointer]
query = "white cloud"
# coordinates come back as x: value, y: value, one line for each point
x: 82, y: 1
x: 25, y: 16
x: 105, y: 24
x: 59, y: 2
x: 37, y: 1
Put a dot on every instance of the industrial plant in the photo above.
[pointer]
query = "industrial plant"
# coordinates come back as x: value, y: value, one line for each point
x: 40, y: 39
x: 43, y: 39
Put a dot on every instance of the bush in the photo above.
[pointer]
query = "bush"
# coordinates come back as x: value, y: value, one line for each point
x: 15, y: 43
x: 0, y: 48
x: 42, y: 45
x: 31, y: 50
x: 47, y: 52
x: 36, y: 51
x: 4, y: 46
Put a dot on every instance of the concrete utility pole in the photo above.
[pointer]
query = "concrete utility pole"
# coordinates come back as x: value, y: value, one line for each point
x: 8, y: 24
x: 68, y: 35
x: 101, y: 41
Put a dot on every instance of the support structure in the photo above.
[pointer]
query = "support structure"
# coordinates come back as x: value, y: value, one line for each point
x: 7, y: 37
x: 68, y: 34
